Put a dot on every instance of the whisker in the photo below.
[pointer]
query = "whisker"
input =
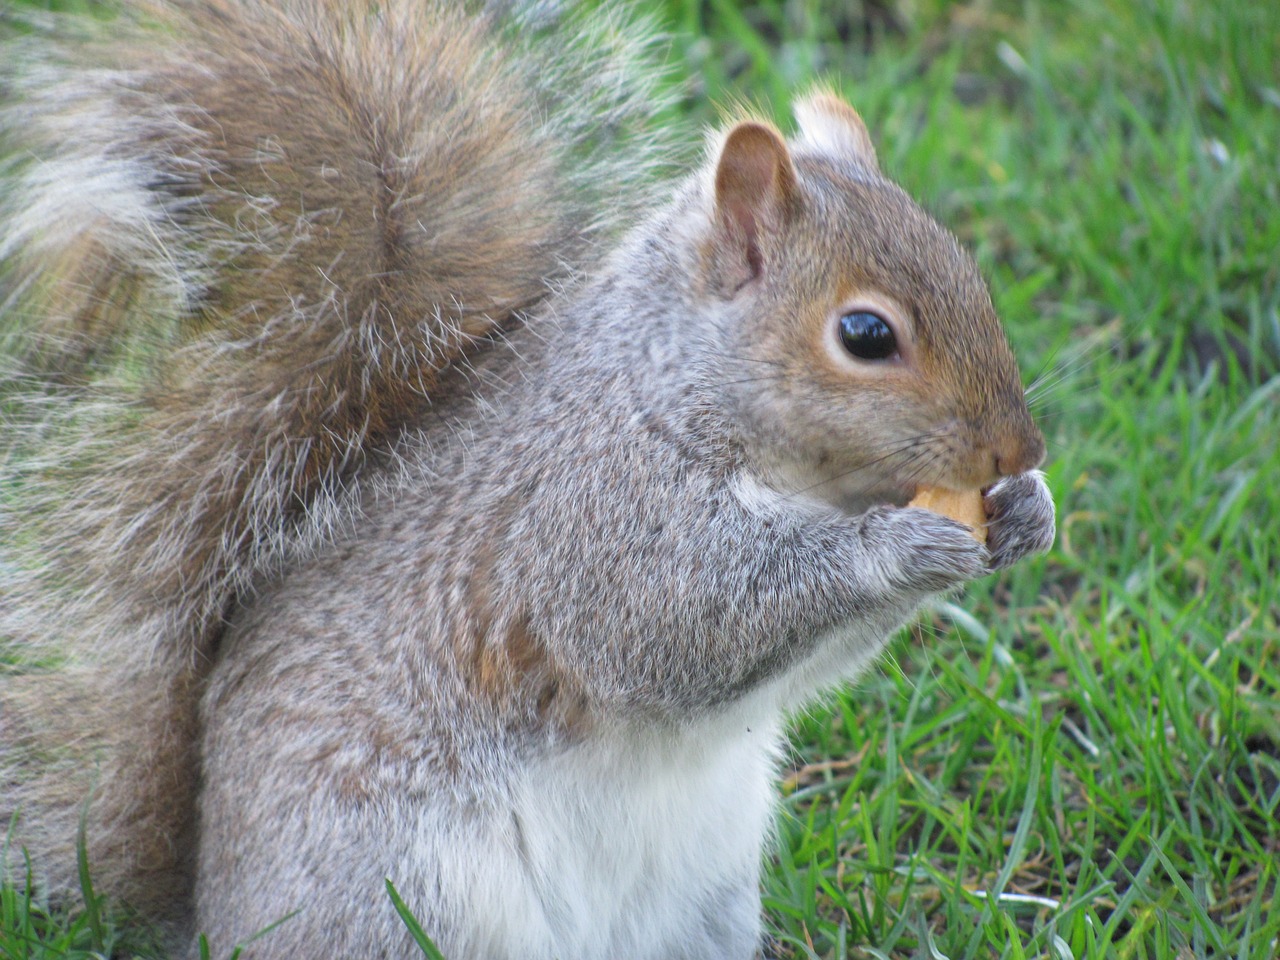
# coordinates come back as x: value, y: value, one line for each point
x: 1054, y: 372
x: 911, y: 446
x: 1052, y: 379
x: 918, y: 469
x: 1046, y: 367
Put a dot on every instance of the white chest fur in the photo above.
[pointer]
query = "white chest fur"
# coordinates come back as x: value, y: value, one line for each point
x: 635, y: 844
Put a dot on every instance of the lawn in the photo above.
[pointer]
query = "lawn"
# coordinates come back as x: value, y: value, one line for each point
x: 1079, y: 758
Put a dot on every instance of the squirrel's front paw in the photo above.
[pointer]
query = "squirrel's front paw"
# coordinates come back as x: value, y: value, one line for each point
x: 1020, y: 518
x: 924, y: 552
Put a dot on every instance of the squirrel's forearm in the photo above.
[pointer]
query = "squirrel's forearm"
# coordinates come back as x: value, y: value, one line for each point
x: 729, y: 618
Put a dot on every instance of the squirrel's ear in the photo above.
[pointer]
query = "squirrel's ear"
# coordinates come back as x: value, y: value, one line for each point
x: 830, y: 126
x: 755, y: 184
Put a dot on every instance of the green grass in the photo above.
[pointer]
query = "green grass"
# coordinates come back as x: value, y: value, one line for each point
x: 1081, y: 758
x: 32, y: 930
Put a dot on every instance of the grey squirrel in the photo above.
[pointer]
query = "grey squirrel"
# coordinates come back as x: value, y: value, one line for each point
x: 369, y: 512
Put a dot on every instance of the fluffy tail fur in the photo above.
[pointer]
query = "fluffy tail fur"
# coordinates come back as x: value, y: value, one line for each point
x: 238, y: 240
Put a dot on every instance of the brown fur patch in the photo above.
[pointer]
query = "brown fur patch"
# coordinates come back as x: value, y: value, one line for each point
x: 507, y: 664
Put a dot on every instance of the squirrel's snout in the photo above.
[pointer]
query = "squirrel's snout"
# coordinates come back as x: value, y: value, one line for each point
x: 1023, y: 454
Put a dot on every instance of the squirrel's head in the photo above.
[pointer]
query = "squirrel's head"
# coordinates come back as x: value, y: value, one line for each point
x: 859, y: 345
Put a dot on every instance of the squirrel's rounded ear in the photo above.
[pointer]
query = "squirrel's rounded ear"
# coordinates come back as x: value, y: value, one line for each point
x: 830, y: 126
x: 755, y: 184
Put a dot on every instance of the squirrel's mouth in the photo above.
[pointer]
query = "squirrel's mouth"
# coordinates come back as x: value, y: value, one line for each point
x: 900, y: 496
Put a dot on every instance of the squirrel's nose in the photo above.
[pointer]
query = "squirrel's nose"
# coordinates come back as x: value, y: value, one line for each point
x: 1021, y: 456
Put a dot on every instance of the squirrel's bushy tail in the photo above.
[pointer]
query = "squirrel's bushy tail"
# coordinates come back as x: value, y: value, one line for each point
x: 238, y: 240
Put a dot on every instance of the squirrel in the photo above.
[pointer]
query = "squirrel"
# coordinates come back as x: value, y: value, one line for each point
x: 402, y: 482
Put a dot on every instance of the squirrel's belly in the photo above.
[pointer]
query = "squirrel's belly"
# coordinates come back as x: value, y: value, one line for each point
x: 637, y: 844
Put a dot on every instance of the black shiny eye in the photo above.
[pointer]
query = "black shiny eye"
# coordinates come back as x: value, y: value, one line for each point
x: 867, y: 336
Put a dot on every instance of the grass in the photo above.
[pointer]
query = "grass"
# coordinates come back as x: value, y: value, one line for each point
x: 1081, y: 757
x: 32, y: 930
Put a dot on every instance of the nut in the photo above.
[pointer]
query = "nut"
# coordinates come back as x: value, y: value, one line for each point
x: 964, y: 506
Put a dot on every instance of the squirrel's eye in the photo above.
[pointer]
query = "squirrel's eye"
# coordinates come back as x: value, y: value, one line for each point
x: 867, y: 336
